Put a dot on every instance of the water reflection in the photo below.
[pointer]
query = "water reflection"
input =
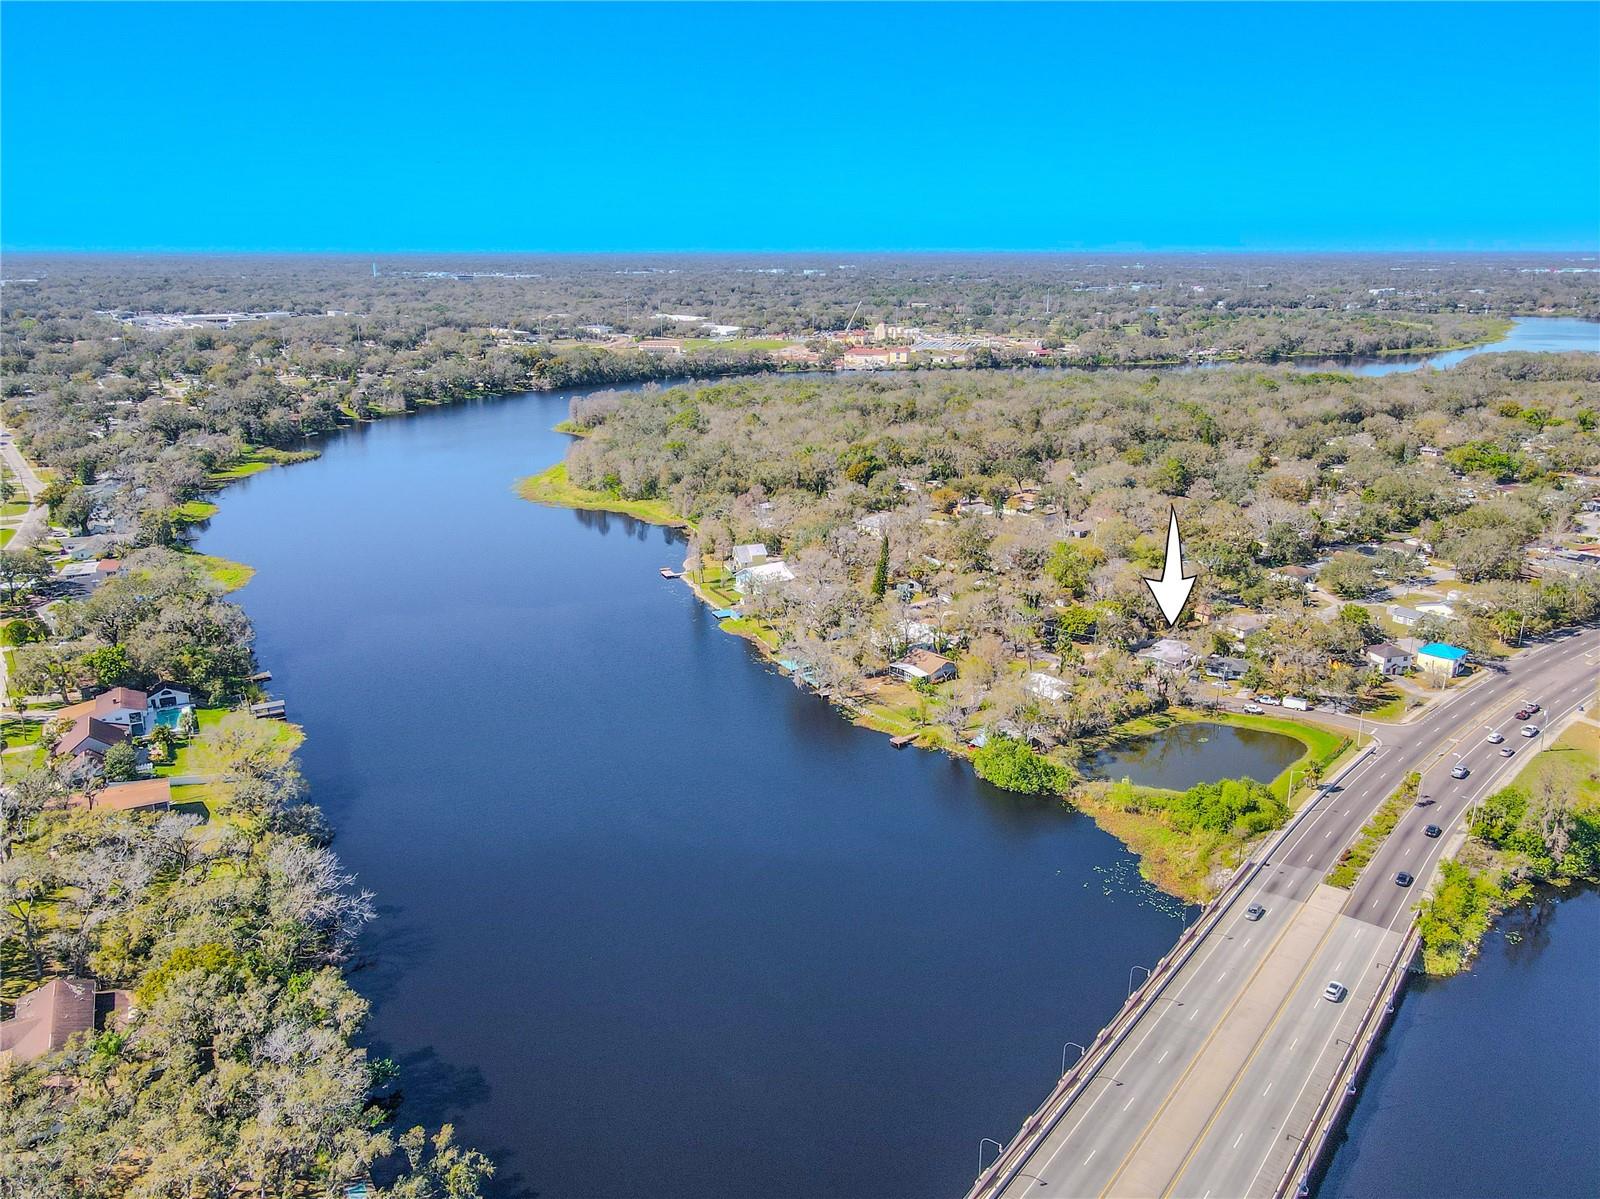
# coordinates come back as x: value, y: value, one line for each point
x: 1183, y: 755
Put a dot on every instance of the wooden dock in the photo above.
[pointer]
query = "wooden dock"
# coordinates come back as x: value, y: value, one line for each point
x: 667, y: 573
x: 271, y: 709
x: 260, y: 676
x: 903, y: 740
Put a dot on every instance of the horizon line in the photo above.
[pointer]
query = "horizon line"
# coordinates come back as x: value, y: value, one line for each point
x: 1209, y: 251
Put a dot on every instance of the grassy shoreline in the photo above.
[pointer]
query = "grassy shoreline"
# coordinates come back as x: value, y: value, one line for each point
x: 1187, y: 865
x: 552, y: 487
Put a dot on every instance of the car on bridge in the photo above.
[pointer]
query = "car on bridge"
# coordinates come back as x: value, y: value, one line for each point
x: 1506, y: 751
x: 1335, y: 992
x: 1522, y: 714
x: 1433, y: 830
x: 1495, y: 737
x: 1534, y: 709
x: 1254, y: 912
x: 1403, y: 879
x: 1426, y: 801
x: 1459, y: 771
x: 1530, y: 730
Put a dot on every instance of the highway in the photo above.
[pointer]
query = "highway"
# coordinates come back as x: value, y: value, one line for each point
x: 1204, y: 1088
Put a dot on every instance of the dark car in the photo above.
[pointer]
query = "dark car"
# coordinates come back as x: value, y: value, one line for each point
x: 1425, y: 802
x: 1403, y: 879
x: 1254, y: 912
x: 1523, y: 714
x: 1433, y: 830
x: 1532, y: 708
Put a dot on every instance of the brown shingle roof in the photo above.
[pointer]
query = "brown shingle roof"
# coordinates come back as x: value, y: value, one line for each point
x: 47, y: 1017
x: 125, y: 797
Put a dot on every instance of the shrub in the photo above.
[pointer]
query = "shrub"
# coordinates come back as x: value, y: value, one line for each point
x: 1013, y: 766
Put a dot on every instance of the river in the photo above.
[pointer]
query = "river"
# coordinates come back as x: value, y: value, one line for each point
x: 1489, y: 1082
x: 654, y: 922
x: 1529, y: 334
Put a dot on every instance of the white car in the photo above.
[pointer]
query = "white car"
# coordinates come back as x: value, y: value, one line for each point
x: 1494, y: 738
x: 1268, y: 700
x: 1459, y: 771
x: 1530, y: 730
x: 1253, y: 709
x: 1334, y: 992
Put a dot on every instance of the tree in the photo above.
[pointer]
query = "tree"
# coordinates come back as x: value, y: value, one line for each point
x: 880, y: 576
x: 1010, y: 764
x: 111, y: 666
x: 21, y: 571
x: 42, y: 669
x: 121, y: 762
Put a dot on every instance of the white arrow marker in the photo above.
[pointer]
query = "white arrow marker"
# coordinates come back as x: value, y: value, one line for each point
x: 1173, y: 587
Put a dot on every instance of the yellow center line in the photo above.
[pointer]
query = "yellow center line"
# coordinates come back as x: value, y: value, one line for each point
x: 1199, y: 1053
x: 1283, y: 1006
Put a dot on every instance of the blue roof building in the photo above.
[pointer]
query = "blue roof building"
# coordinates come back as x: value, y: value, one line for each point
x: 1442, y: 658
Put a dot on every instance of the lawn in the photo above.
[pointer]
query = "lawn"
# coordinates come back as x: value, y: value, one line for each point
x: 15, y: 508
x: 741, y: 345
x: 753, y: 629
x: 554, y: 488
x: 6, y: 535
x: 230, y: 576
x: 195, y: 511
x: 1574, y: 761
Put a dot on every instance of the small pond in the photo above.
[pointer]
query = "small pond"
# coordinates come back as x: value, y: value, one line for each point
x: 1185, y: 754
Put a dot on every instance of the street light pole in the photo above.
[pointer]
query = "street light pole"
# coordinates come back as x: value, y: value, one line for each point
x: 1071, y: 1045
x: 1131, y: 969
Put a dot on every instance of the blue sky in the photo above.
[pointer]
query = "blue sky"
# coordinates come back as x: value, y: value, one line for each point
x: 367, y: 127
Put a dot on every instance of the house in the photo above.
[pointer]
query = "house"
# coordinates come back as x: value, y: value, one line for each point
x: 90, y: 738
x: 662, y: 345
x: 1046, y: 686
x: 120, y: 706
x: 168, y: 696
x: 1079, y: 530
x: 1441, y: 660
x: 1296, y: 574
x: 874, y: 357
x: 1242, y: 624
x: 1388, y: 659
x: 1225, y: 668
x: 48, y: 1016
x: 1437, y: 609
x: 924, y: 664
x: 745, y: 556
x: 763, y: 574
x: 143, y: 795
x: 1406, y: 618
x: 1169, y: 654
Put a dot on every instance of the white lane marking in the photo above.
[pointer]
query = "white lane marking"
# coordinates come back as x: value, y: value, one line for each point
x: 1293, y: 1043
x: 1237, y: 1139
x: 1267, y: 1088
x: 1163, y: 1056
x: 1092, y: 1152
x: 1129, y: 1104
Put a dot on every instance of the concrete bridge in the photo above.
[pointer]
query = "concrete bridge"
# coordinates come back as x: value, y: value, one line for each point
x: 1225, y: 1071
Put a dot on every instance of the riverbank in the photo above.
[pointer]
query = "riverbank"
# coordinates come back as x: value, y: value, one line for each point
x: 1541, y: 829
x: 1187, y: 864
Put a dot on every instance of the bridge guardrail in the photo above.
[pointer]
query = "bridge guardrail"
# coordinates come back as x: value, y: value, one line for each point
x: 1110, y: 1037
x: 1296, y: 1179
